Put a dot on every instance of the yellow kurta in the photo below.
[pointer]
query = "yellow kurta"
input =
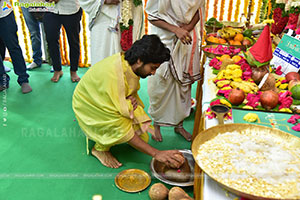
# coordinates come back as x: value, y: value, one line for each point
x: 100, y: 105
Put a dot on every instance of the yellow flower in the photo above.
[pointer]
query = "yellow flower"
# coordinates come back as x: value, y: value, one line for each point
x: 277, y: 84
x: 223, y: 101
x: 248, y: 107
x: 250, y: 117
x: 285, y: 110
x: 283, y: 86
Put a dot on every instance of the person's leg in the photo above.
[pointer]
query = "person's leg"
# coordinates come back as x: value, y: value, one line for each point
x: 2, y: 54
x: 52, y: 25
x: 8, y: 32
x: 103, y: 154
x: 157, y: 134
x: 35, y: 36
x: 72, y: 26
x: 180, y: 130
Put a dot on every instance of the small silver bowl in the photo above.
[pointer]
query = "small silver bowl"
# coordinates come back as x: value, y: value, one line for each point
x: 154, y: 166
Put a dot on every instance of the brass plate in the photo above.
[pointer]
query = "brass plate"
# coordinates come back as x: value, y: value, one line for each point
x: 210, y: 133
x: 132, y: 180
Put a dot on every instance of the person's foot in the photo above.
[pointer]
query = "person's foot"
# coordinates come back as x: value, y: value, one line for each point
x: 183, y: 132
x: 26, y: 88
x: 56, y: 76
x: 157, y: 134
x: 74, y: 77
x: 106, y: 158
x: 7, y: 69
x: 32, y: 66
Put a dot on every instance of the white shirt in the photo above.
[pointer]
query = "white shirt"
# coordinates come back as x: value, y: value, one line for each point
x: 6, y: 10
x: 66, y: 7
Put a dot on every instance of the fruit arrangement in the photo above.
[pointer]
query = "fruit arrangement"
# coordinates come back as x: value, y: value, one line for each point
x: 231, y: 36
x: 213, y: 25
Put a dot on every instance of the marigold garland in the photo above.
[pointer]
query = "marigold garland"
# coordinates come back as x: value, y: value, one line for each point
x: 246, y: 2
x: 222, y: 10
x: 28, y: 57
x: 80, y: 64
x: 206, y: 9
x: 230, y: 10
x: 216, y: 8
x: 65, y: 46
x: 252, y: 6
x: 146, y: 18
x: 85, y: 44
x: 63, y: 61
x: 237, y: 10
x: 269, y: 8
x: 258, y: 11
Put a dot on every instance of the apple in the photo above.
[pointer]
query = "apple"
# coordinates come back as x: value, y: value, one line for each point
x: 292, y: 83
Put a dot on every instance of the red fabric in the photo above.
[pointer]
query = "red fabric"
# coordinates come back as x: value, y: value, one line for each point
x: 262, y: 49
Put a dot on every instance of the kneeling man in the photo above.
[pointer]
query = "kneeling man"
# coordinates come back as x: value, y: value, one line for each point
x: 108, y: 108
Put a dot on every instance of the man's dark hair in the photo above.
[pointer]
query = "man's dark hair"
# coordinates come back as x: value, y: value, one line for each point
x: 149, y: 49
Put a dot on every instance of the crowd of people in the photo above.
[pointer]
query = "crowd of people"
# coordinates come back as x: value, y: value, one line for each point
x: 105, y: 101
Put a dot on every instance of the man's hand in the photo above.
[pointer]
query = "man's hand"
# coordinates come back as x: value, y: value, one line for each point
x: 133, y: 102
x: 168, y: 157
x: 183, y: 35
x: 112, y: 2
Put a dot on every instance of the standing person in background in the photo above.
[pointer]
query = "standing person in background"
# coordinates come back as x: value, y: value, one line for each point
x: 2, y: 54
x: 33, y: 22
x: 169, y: 89
x: 67, y: 13
x: 104, y: 27
x: 8, y: 33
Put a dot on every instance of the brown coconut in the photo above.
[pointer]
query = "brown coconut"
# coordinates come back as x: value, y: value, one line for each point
x: 158, y: 191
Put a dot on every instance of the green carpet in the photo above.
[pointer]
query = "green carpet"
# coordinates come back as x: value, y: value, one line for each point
x: 42, y: 148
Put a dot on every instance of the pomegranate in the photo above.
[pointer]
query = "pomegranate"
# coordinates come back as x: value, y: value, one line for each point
x: 269, y: 99
x: 236, y: 96
x: 291, y: 76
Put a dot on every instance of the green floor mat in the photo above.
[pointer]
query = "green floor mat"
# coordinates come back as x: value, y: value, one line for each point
x: 43, y: 150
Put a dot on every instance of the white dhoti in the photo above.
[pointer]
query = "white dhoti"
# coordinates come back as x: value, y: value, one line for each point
x: 170, y: 88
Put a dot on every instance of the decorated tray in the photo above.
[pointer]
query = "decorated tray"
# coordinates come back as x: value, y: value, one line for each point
x: 132, y: 180
x: 226, y: 50
x: 252, y: 161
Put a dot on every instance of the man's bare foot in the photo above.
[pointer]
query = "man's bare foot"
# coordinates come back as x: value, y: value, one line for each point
x: 183, y: 132
x: 56, y: 76
x: 74, y: 77
x: 106, y: 158
x: 157, y: 135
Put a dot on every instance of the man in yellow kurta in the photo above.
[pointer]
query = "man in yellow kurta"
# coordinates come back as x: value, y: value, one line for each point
x: 108, y: 108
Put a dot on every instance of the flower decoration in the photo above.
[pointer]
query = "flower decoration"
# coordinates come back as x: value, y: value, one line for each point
x: 215, y: 63
x: 253, y: 99
x: 222, y: 10
x: 258, y: 11
x: 218, y: 101
x: 216, y: 8
x: 230, y: 10
x: 285, y: 99
x: 278, y: 70
x: 246, y: 2
x: 126, y: 23
x: 206, y: 9
x: 294, y: 120
x: 250, y: 117
x: 237, y: 10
